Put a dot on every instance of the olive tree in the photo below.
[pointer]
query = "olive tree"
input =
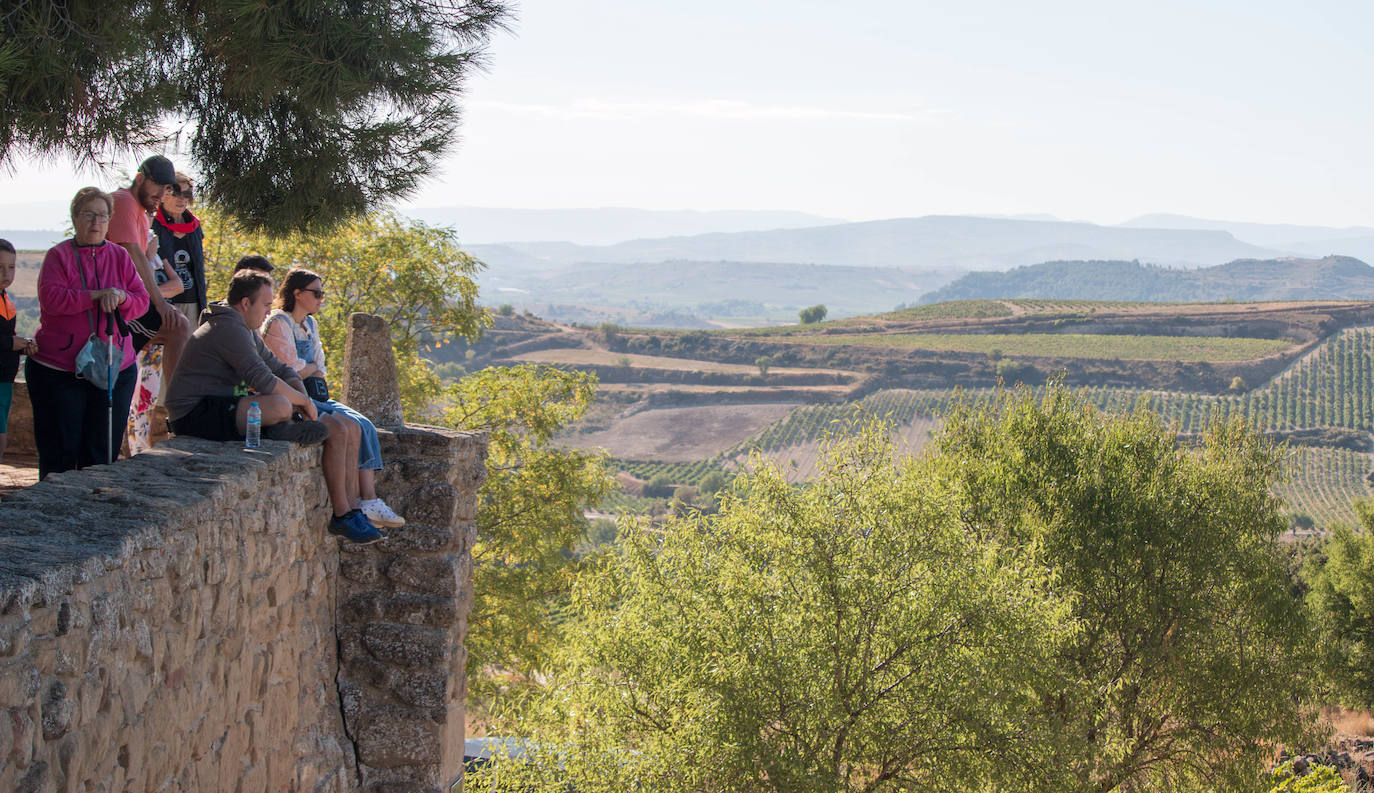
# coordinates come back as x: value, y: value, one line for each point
x: 849, y: 635
x: 1190, y: 660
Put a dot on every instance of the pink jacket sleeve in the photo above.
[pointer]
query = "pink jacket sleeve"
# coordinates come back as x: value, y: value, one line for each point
x: 59, y: 285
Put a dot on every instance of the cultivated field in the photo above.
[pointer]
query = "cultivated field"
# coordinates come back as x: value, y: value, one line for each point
x: 1064, y: 345
x: 682, y: 434
x: 599, y: 357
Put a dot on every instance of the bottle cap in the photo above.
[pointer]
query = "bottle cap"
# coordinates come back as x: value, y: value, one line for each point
x: 253, y: 404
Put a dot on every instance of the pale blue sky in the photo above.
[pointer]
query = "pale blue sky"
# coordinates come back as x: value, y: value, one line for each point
x: 860, y: 110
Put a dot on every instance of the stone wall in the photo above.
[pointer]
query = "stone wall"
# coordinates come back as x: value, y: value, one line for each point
x: 182, y: 621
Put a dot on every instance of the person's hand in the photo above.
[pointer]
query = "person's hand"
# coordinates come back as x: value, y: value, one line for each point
x: 109, y: 299
x: 310, y: 411
x: 172, y: 320
x: 152, y: 250
x: 30, y: 346
x: 310, y: 370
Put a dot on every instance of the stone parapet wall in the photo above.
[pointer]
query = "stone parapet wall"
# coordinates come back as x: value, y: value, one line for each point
x: 175, y: 622
x: 403, y: 607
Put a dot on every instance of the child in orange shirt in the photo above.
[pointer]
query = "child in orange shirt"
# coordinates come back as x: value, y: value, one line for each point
x: 11, y: 343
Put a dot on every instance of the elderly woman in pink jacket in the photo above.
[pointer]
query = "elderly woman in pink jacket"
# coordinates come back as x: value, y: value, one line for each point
x: 82, y: 281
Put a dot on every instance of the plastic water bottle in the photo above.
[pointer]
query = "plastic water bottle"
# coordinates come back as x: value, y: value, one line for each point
x: 254, y: 439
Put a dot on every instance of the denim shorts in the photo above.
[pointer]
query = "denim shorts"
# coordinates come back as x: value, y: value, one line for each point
x: 6, y: 399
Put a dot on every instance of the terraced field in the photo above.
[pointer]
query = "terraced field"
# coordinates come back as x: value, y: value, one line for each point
x: 1326, y: 396
x: 1064, y: 345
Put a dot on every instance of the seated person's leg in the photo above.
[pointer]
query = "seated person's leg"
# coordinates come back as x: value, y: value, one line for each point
x: 276, y: 409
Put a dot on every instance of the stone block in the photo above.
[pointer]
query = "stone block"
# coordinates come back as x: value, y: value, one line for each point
x: 427, y: 690
x: 57, y: 711
x: 433, y: 575
x: 423, y: 538
x: 19, y: 684
x: 409, y: 646
x: 37, y: 780
x: 365, y: 670
x: 434, y: 502
x: 431, y: 610
x: 399, y: 737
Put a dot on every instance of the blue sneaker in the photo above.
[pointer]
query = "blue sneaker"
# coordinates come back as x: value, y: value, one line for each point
x: 355, y: 526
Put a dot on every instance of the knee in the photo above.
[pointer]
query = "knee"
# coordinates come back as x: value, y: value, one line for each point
x: 275, y: 408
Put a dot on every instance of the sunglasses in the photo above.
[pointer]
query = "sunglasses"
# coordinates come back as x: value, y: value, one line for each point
x: 318, y: 293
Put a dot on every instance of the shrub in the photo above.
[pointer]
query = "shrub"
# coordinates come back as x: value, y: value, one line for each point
x: 1318, y: 779
x: 659, y: 486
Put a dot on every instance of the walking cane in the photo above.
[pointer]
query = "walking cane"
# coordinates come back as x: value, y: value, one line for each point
x: 109, y: 387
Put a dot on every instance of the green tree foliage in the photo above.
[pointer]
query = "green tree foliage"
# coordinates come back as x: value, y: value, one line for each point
x: 299, y: 114
x: 764, y: 363
x: 813, y: 314
x: 852, y: 635
x: 1340, y: 584
x: 1052, y: 599
x: 1317, y: 779
x: 1191, y: 657
x: 531, y: 515
x: 713, y: 483
x: 411, y: 274
x: 659, y: 486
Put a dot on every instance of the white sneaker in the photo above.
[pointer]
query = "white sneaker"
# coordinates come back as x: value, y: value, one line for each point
x: 380, y: 514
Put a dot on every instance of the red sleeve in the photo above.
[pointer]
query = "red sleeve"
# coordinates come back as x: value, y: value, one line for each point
x: 129, y: 223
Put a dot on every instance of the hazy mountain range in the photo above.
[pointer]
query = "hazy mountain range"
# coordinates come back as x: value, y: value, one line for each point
x: 1329, y: 278
x: 936, y: 242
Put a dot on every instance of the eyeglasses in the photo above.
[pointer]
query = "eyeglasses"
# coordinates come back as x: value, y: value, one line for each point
x: 94, y: 217
x: 318, y: 293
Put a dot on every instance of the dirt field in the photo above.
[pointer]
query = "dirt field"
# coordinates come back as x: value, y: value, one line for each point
x: 607, y: 358
x: 682, y: 434
x: 798, y: 463
x: 26, y: 274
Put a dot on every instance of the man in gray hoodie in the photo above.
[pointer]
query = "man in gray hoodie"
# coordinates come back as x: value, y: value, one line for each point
x: 209, y: 397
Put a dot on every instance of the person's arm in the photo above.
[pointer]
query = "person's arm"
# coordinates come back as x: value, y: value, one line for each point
x: 319, y: 348
x: 278, y: 338
x: 122, y: 231
x: 297, y: 397
x: 60, y: 293
x: 136, y: 297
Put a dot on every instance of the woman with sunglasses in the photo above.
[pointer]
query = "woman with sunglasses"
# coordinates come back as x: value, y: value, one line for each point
x: 291, y: 333
x: 82, y: 282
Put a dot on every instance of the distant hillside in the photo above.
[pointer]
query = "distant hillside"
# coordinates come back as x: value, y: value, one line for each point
x: 1329, y: 278
x: 600, y: 226
x: 935, y: 242
x: 719, y: 290
x: 1275, y: 235
x: 26, y: 240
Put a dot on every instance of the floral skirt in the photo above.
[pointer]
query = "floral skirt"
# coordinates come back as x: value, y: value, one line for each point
x: 145, y: 396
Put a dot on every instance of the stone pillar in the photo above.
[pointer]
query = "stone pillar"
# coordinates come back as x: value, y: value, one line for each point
x: 369, y: 383
x: 402, y: 616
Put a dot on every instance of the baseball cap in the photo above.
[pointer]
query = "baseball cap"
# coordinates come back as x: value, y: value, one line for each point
x: 159, y: 169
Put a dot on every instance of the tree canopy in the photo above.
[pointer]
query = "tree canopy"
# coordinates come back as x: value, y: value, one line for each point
x: 299, y: 114
x: 1052, y: 598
